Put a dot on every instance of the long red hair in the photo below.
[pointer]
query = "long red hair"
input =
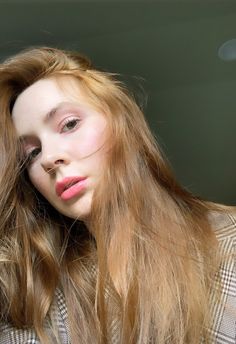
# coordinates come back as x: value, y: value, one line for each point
x: 141, y: 272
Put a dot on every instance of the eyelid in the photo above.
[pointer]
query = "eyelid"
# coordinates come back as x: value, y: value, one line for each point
x: 68, y: 120
x: 27, y: 159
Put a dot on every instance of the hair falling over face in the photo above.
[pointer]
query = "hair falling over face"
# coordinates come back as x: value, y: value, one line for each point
x: 146, y: 261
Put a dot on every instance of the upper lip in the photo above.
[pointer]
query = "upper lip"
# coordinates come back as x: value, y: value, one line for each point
x: 66, y: 182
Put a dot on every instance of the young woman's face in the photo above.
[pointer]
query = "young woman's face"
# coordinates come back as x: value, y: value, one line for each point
x: 63, y: 139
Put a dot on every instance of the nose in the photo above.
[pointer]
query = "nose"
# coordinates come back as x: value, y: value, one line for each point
x: 51, y: 160
x: 51, y: 164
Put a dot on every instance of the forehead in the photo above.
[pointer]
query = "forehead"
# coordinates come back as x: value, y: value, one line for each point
x: 45, y: 92
x: 43, y: 96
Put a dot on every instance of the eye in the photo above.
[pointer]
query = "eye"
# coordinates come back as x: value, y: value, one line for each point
x: 70, y: 124
x: 32, y: 155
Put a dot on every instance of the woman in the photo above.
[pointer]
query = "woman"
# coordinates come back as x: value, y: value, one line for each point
x: 99, y: 243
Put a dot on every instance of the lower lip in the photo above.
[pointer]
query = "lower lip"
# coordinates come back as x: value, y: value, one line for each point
x: 74, y: 190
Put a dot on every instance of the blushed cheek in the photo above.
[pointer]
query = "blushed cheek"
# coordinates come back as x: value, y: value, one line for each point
x: 92, y: 144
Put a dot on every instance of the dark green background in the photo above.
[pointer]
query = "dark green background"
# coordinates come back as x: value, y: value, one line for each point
x: 167, y: 52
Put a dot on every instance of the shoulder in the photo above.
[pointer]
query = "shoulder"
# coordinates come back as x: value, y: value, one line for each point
x: 223, y: 223
x: 223, y: 291
x: 9, y: 334
x: 12, y: 335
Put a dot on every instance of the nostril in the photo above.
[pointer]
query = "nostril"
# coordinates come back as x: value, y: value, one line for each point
x: 50, y: 163
x: 59, y: 161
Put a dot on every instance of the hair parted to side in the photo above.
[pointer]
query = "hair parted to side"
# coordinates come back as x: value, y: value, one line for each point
x: 152, y: 252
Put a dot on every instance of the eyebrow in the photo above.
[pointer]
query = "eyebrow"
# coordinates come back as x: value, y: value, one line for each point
x: 49, y: 116
x: 54, y: 110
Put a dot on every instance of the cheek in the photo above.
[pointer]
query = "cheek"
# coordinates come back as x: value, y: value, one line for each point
x: 91, y: 145
x: 37, y: 179
x: 91, y: 141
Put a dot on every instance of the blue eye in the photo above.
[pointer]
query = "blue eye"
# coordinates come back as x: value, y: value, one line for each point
x: 70, y: 125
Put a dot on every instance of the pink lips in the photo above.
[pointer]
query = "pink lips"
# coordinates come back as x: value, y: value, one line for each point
x: 70, y: 187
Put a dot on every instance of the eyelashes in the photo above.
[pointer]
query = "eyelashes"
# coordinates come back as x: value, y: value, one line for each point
x: 30, y: 156
x: 68, y: 125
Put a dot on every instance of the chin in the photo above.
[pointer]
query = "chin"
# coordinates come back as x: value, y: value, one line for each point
x: 76, y: 214
x: 78, y: 210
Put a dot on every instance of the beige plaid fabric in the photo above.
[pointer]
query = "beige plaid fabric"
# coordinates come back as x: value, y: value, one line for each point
x: 223, y: 329
x: 223, y: 293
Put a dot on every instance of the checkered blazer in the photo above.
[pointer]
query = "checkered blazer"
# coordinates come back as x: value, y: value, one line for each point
x: 223, y: 329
